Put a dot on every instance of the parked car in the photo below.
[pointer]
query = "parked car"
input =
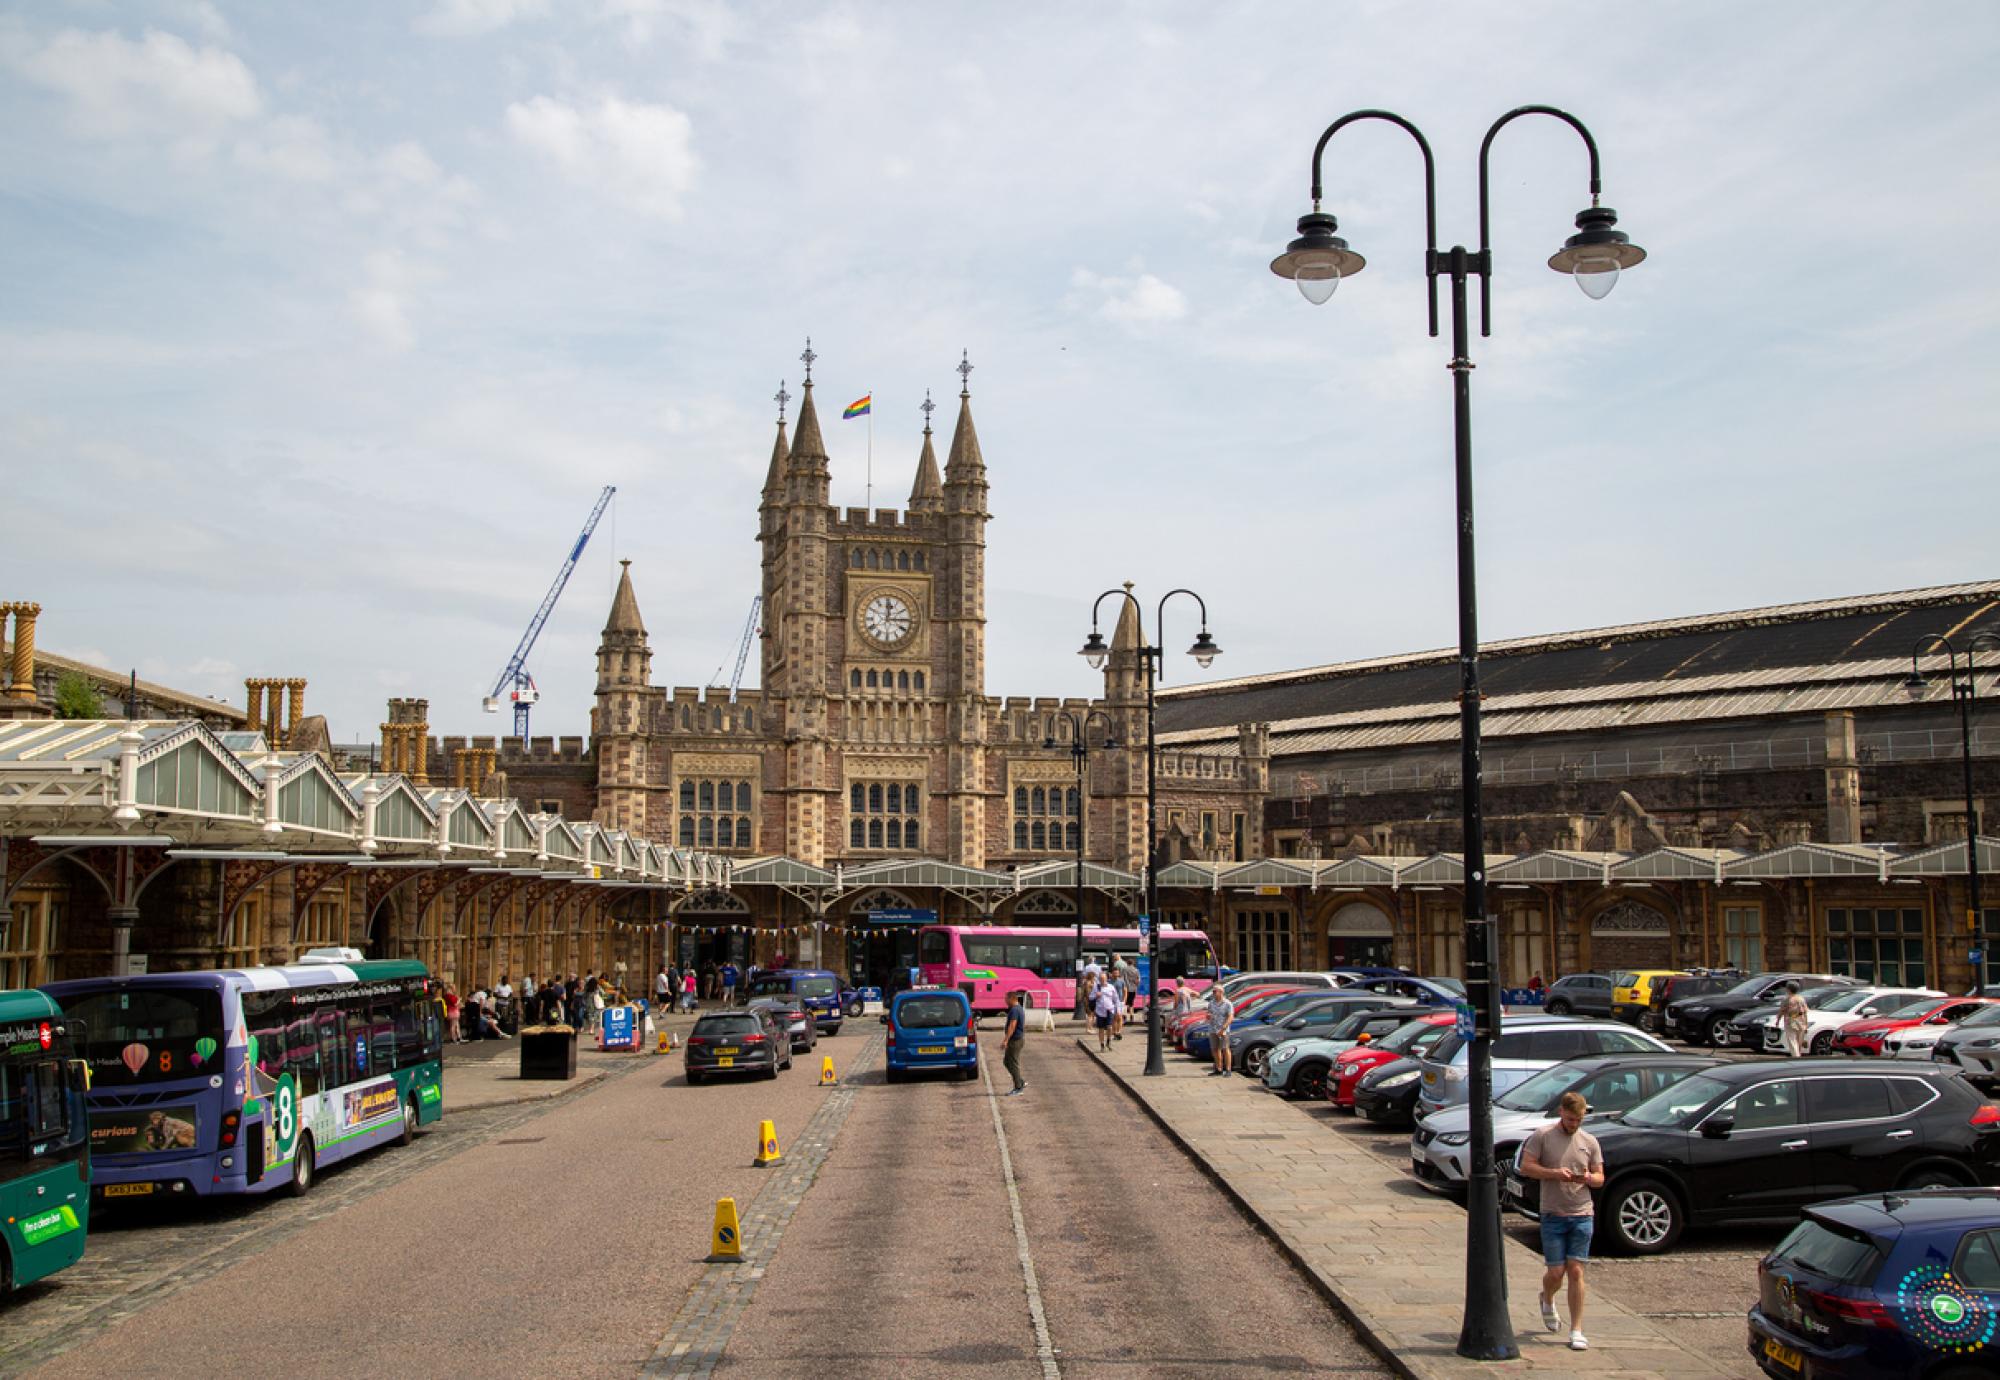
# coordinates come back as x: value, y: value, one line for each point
x: 1579, y: 994
x: 1761, y: 1141
x: 1632, y: 992
x: 1243, y: 1000
x: 1349, y: 976
x: 1705, y: 1019
x: 1440, y: 1147
x: 1411, y: 1041
x: 1333, y: 1029
x: 1897, y: 1287
x: 1695, y: 982
x: 1869, y: 1037
x: 1425, y: 991
x: 1340, y: 1023
x: 738, y: 1041
x: 1747, y: 1027
x: 1973, y: 1045
x: 818, y: 988
x: 1271, y: 1005
x: 796, y: 1017
x: 1527, y: 1045
x: 1825, y: 1018
x: 1387, y: 1093
x: 930, y: 1029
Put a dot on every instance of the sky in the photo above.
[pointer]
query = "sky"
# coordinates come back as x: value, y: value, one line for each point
x: 323, y: 325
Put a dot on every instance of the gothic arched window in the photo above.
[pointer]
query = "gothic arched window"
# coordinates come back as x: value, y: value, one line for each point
x: 725, y: 832
x: 895, y: 833
x: 856, y: 798
x: 743, y: 831
x: 854, y: 833
x: 895, y: 800
x: 874, y: 560
x: 902, y: 560
x: 872, y: 682
x: 1038, y: 803
x: 687, y: 795
x: 707, y: 832
x: 1038, y: 832
x: 902, y: 680
x: 706, y: 793
x: 1020, y: 800
x: 920, y: 682
x: 687, y: 719
x: 910, y: 835
x: 874, y: 800
x: 854, y: 680
x: 874, y: 833
x: 1075, y: 837
x: 687, y: 831
x: 1074, y: 802
x: 1020, y: 835
x: 725, y: 796
x: 920, y: 560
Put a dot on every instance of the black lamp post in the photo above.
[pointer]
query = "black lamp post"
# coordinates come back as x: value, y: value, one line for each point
x: 1965, y: 691
x: 1079, y: 754
x: 1317, y: 261
x: 1204, y: 651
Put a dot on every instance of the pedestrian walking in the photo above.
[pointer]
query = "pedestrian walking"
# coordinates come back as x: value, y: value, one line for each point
x: 688, y: 990
x: 1792, y: 1016
x: 1567, y: 1160
x: 1219, y: 1016
x: 662, y: 985
x: 729, y: 976
x: 1104, y: 1008
x: 1014, y: 1039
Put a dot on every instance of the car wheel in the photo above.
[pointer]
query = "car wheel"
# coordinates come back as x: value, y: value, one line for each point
x: 1822, y: 1043
x: 1645, y: 1217
x: 1718, y: 1032
x: 1558, y: 1007
x: 854, y: 1007
x: 1936, y: 1176
x: 409, y: 1135
x: 304, y: 1169
x: 1254, y: 1060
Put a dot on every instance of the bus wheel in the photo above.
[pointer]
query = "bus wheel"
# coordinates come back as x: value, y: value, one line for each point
x: 303, y: 1167
x: 409, y: 1123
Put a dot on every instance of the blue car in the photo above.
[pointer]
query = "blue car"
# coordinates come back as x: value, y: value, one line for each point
x: 816, y: 988
x: 931, y: 1028
x: 1901, y: 1286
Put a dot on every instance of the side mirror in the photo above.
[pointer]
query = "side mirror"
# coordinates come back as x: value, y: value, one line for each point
x: 1718, y: 1127
x: 1363, y: 1038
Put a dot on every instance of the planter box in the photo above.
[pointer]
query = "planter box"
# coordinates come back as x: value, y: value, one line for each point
x: 548, y: 1055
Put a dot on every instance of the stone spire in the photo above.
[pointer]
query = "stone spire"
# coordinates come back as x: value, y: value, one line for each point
x: 781, y: 454
x: 927, y: 494
x: 625, y: 606
x: 808, y: 457
x: 965, y: 468
x: 1125, y: 638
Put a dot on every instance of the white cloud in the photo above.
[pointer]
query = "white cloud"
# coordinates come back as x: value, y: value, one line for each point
x: 119, y: 86
x: 1145, y: 300
x: 469, y: 18
x: 379, y: 303
x: 627, y: 150
x: 291, y: 147
x: 407, y: 162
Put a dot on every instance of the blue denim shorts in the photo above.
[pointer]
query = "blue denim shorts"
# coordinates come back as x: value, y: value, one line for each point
x: 1566, y: 1238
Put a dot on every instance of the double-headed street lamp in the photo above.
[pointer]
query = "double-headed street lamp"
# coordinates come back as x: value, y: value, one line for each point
x: 1317, y: 261
x: 1964, y: 690
x: 1079, y: 754
x: 1204, y: 651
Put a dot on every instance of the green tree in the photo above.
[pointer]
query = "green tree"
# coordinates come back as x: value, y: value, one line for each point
x: 76, y: 698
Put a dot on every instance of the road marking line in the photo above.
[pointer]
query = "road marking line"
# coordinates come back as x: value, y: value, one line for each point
x: 695, y: 1340
x: 1045, y: 1349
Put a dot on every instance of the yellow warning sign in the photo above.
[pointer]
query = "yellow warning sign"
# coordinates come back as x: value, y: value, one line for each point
x: 826, y: 1075
x: 767, y: 1146
x: 726, y: 1241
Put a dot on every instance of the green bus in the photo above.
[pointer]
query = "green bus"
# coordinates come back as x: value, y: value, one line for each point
x: 44, y: 1142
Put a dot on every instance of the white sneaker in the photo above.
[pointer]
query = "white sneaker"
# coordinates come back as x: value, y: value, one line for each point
x: 1549, y: 1318
x: 1577, y: 1342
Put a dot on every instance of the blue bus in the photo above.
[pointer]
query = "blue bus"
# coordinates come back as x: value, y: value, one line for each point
x: 249, y: 1080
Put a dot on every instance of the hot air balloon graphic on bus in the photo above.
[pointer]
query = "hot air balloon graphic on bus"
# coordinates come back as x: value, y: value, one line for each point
x: 202, y: 1049
x: 133, y: 1056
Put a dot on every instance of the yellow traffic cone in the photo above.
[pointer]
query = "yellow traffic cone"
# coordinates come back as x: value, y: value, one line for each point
x: 726, y: 1241
x: 666, y: 1041
x: 767, y: 1146
x: 827, y: 1079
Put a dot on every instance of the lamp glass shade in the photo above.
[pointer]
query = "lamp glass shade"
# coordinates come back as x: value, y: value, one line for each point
x: 1596, y: 253
x: 1914, y: 685
x: 1318, y: 256
x: 1204, y: 651
x: 1318, y: 288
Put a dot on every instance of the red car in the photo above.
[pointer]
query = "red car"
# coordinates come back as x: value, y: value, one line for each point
x: 1404, y: 1042
x: 1865, y: 1037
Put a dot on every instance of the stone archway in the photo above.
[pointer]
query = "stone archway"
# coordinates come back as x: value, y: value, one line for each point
x: 1628, y: 933
x: 1359, y: 934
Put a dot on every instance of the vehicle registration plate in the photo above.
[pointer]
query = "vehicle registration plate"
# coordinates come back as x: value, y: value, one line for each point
x: 930, y: 1049
x: 725, y: 1062
x: 1783, y: 1355
x: 1416, y: 1152
x: 726, y: 1049
x: 127, y: 1190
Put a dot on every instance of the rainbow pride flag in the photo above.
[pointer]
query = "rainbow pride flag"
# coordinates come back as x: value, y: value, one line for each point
x: 860, y: 407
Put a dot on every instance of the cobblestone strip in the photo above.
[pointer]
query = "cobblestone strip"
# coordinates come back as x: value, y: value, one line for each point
x: 1045, y: 1350
x: 129, y: 1268
x: 695, y: 1340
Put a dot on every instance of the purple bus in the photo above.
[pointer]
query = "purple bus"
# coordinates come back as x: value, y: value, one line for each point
x: 247, y: 1080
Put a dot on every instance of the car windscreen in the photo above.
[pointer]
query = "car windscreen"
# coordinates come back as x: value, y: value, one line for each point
x: 148, y: 1034
x: 817, y: 987
x: 1985, y: 1015
x: 1446, y: 1049
x: 1843, y: 999
x: 1835, y: 1255
x: 1540, y: 1092
x: 724, y: 1027
x: 1449, y: 984
x: 1751, y: 986
x: 1399, y: 1040
x: 1354, y: 1024
x: 1674, y: 1106
x: 1895, y: 1006
x: 1822, y: 998
x: 928, y: 1013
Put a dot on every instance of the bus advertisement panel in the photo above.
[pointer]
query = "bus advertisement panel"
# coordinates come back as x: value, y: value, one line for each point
x: 246, y: 1080
x: 986, y: 962
x: 44, y: 1152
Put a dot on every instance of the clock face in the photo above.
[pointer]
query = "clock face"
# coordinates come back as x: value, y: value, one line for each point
x: 888, y: 619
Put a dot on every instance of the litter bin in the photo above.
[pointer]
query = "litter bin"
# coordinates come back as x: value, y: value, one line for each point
x: 548, y: 1054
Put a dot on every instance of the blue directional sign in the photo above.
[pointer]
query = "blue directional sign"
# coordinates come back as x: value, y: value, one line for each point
x: 1465, y: 1022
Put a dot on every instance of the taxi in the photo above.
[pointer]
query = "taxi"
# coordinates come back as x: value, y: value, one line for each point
x: 930, y: 1028
x: 1632, y: 992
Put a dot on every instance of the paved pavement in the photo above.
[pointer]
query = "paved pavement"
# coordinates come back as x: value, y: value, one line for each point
x: 1390, y: 1252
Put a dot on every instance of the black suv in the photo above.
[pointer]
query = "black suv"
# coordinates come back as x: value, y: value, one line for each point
x: 746, y: 1040
x: 1755, y: 1142
x: 1705, y: 1019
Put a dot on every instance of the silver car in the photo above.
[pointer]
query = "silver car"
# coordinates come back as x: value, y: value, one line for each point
x: 1527, y: 1045
x: 1974, y: 1045
x: 1441, y: 1149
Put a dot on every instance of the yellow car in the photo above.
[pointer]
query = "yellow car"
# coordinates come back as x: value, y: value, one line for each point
x: 1632, y: 993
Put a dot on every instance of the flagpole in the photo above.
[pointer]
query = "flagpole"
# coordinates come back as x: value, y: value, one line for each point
x: 871, y: 450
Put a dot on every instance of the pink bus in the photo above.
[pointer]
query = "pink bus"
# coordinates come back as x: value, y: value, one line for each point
x: 986, y: 962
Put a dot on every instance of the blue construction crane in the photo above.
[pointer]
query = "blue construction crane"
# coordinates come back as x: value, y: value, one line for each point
x: 514, y: 679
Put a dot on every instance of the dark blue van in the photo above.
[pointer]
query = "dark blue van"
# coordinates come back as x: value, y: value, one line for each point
x: 816, y: 988
x: 931, y: 1028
